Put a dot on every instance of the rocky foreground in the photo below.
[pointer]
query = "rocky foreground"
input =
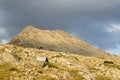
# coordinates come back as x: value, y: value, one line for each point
x: 18, y: 63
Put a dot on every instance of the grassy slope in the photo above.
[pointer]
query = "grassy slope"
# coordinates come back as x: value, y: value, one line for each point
x: 68, y: 66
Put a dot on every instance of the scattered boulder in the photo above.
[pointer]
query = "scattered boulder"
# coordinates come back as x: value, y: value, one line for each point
x: 42, y: 60
x: 7, y: 57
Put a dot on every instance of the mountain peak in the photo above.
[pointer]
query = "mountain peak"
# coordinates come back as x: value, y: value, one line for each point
x: 29, y: 27
x: 55, y: 40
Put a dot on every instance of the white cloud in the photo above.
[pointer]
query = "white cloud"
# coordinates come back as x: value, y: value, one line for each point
x: 3, y: 35
x: 115, y: 51
x: 3, y: 41
x: 3, y: 31
x: 114, y: 28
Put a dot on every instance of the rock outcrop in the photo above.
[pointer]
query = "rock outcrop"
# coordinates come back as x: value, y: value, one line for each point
x: 8, y: 55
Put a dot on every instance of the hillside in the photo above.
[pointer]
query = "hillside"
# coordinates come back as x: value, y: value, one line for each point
x: 18, y: 63
x: 58, y: 41
x: 36, y: 54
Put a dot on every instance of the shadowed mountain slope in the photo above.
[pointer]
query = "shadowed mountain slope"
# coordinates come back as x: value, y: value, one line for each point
x: 58, y: 41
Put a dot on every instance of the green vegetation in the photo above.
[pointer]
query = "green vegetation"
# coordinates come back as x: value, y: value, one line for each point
x: 5, y: 70
x: 75, y: 75
x: 76, y: 58
x: 108, y: 62
x: 111, y: 64
x: 46, y: 78
x: 50, y: 65
x: 57, y: 56
x: 92, y: 69
x: 2, y: 50
x: 102, y: 77
x: 101, y: 57
x: 13, y: 69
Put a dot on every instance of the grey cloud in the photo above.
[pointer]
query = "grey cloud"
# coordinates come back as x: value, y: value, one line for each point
x: 86, y: 19
x: 96, y: 34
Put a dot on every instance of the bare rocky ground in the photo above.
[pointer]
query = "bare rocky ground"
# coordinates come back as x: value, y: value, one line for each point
x: 18, y: 63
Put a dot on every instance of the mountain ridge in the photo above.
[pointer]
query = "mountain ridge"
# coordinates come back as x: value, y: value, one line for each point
x: 56, y: 40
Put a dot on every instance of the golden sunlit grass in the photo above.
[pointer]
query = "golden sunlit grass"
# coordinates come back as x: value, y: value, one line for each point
x: 76, y: 75
x: 102, y: 77
x: 6, y: 70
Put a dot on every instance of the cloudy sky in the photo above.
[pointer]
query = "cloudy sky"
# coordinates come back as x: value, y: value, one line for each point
x: 95, y: 21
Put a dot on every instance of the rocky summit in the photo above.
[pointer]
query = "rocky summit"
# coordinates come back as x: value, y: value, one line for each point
x: 36, y: 54
x: 58, y: 41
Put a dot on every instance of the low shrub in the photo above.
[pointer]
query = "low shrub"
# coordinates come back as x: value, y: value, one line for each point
x: 13, y: 69
x: 111, y: 64
x: 108, y: 62
x: 50, y: 65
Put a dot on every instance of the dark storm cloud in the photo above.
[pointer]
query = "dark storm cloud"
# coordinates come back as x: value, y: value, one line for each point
x: 86, y: 19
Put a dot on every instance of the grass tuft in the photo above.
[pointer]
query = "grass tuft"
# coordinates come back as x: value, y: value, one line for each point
x: 111, y: 64
x: 57, y: 56
x: 50, y: 65
x: 75, y: 75
x: 102, y: 77
x: 13, y: 69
